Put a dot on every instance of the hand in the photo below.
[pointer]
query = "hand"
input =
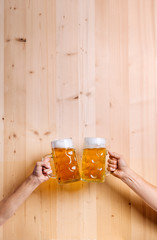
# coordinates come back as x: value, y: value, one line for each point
x: 116, y: 164
x: 42, y: 170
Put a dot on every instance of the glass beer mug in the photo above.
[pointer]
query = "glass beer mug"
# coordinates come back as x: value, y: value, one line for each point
x: 94, y: 160
x: 63, y: 159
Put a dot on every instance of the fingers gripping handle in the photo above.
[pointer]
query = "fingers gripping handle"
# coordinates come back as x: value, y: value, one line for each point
x: 50, y: 156
x: 106, y: 164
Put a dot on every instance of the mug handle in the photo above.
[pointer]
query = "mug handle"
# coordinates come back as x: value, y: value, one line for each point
x: 107, y: 173
x: 53, y: 174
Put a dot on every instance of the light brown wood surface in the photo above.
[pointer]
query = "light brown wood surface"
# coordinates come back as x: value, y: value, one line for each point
x: 76, y: 68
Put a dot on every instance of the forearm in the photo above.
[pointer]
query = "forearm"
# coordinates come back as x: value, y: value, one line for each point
x: 9, y: 205
x: 144, y: 189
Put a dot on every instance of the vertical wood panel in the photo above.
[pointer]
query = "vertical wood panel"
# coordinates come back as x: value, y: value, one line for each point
x: 1, y: 102
x: 40, y: 117
x: 86, y: 66
x: 14, y: 109
x: 142, y: 82
x: 67, y: 114
x: 112, y: 112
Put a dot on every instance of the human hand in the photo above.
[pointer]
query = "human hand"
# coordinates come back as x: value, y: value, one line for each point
x: 116, y: 164
x: 42, y: 170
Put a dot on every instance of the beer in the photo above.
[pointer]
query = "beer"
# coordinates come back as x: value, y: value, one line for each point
x: 66, y: 165
x: 94, y: 160
x: 64, y: 161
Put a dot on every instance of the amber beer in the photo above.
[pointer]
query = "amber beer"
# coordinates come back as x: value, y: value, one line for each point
x: 94, y: 160
x: 65, y: 161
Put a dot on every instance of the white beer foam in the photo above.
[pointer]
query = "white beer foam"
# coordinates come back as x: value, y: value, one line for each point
x: 62, y: 143
x: 90, y: 142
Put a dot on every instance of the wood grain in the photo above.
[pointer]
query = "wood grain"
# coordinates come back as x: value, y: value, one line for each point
x: 68, y: 209
x: 112, y: 112
x: 86, y: 79
x: 40, y: 109
x: 14, y: 108
x: 76, y: 68
x: 1, y: 102
x: 142, y: 82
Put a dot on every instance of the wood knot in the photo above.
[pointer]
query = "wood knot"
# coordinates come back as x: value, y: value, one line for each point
x: 71, y: 53
x: 34, y: 218
x: 14, y: 135
x: 36, y: 133
x: 47, y: 133
x: 21, y: 39
x: 88, y: 94
x: 76, y: 97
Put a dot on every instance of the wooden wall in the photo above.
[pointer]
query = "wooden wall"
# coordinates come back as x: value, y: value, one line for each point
x: 75, y: 68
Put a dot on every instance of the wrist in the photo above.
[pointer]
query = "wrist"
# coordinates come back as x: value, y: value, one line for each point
x: 125, y: 173
x: 34, y: 180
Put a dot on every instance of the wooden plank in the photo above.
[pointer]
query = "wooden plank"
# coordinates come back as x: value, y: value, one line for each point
x: 142, y: 82
x: 1, y: 102
x: 75, y: 94
x: 40, y: 114
x: 14, y: 109
x: 112, y: 113
x: 67, y: 112
x: 86, y: 73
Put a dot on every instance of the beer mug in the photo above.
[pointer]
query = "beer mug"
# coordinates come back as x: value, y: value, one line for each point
x: 63, y: 161
x: 94, y: 160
